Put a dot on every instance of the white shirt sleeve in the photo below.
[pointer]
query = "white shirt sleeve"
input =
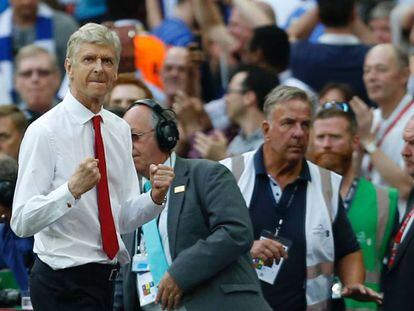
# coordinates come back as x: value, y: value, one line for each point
x: 35, y: 206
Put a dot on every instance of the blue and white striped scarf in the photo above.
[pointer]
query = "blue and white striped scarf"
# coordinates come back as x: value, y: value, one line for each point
x: 44, y: 38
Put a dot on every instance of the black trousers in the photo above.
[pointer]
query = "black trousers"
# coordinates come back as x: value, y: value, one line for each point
x: 88, y: 287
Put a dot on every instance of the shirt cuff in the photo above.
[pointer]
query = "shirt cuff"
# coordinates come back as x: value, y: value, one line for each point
x: 157, y: 204
x: 67, y: 196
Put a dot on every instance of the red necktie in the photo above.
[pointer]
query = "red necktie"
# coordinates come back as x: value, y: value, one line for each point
x: 108, y: 232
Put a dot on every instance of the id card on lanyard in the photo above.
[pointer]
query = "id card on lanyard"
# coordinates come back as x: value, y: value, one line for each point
x: 265, y: 272
x: 147, y: 291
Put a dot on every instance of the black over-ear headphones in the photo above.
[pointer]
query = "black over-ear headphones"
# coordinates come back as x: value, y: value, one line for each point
x: 6, y: 192
x: 166, y: 131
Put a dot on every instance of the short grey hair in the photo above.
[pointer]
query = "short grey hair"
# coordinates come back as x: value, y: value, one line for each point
x: 281, y: 94
x: 382, y: 10
x: 8, y: 168
x: 32, y: 50
x: 401, y: 57
x: 95, y: 34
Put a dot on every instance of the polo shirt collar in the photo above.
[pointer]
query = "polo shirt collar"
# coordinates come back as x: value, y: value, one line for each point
x: 260, y: 169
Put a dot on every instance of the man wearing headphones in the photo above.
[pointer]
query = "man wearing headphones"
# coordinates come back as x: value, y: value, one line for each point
x: 204, y: 230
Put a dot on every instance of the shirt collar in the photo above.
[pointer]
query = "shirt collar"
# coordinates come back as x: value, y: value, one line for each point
x: 338, y: 39
x: 260, y: 169
x: 171, y: 160
x: 78, y: 111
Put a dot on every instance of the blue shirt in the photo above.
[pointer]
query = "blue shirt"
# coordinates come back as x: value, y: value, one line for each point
x: 317, y: 64
x: 173, y: 31
x: 288, y: 292
x: 14, y: 252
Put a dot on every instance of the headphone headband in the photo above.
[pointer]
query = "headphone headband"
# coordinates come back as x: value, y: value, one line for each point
x: 166, y: 131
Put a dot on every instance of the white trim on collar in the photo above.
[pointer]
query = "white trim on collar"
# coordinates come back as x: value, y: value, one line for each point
x: 338, y: 39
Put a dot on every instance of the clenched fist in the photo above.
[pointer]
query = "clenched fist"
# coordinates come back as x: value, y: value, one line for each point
x: 268, y: 250
x: 85, y: 177
x: 161, y: 177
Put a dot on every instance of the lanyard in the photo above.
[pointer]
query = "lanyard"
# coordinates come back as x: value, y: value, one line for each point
x: 389, y: 128
x: 398, y: 238
x: 139, y: 243
x: 393, y: 123
x: 351, y: 193
x: 280, y: 223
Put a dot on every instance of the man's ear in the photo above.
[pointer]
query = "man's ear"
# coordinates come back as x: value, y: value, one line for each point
x: 265, y: 130
x: 68, y: 67
x: 356, y: 141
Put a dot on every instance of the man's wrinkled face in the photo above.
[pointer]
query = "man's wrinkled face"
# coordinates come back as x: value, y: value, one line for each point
x: 287, y: 130
x: 10, y: 137
x: 333, y: 144
x: 92, y: 72
x: 383, y: 77
x: 408, y: 149
x: 381, y: 29
x: 240, y: 30
x: 175, y: 70
x: 37, y: 82
x: 145, y: 149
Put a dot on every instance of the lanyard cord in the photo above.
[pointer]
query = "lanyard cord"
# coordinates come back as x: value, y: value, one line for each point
x: 281, y: 219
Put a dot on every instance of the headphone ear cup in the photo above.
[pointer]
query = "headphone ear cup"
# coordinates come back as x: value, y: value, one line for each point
x: 166, y: 131
x: 167, y: 135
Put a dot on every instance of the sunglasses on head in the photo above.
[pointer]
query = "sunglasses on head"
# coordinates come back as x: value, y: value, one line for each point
x: 342, y: 106
x: 338, y: 106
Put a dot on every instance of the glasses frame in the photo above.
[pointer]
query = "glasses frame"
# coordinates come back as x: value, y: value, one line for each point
x: 137, y: 136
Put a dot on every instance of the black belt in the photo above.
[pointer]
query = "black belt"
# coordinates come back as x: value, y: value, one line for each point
x: 105, y: 271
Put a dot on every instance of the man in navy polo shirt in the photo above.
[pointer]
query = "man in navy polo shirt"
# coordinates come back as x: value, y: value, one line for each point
x: 298, y: 203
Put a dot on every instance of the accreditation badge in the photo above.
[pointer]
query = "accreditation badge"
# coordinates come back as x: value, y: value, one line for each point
x: 268, y: 273
x: 147, y: 290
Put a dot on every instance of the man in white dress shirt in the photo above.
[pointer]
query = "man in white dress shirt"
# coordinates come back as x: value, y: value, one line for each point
x: 77, y: 188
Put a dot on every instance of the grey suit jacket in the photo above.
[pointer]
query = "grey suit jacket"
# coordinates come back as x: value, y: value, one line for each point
x: 210, y: 235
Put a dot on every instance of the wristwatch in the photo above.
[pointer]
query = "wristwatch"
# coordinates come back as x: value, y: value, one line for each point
x: 370, y: 147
